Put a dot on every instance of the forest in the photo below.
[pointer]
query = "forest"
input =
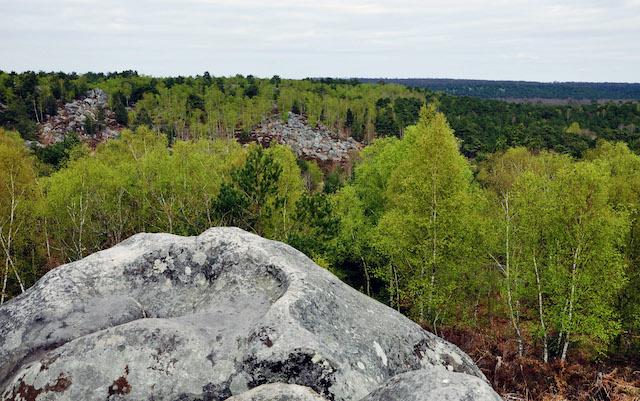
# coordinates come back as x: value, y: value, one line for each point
x: 209, y: 107
x: 522, y: 89
x: 467, y: 215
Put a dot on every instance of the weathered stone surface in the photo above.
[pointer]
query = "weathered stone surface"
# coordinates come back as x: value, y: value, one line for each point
x: 434, y: 384
x: 162, y: 317
x: 278, y: 392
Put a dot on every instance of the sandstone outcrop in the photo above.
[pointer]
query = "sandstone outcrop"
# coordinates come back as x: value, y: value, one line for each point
x: 319, y: 144
x: 72, y: 117
x: 226, y: 315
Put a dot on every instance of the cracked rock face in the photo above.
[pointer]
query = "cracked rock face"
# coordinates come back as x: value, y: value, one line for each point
x: 226, y: 315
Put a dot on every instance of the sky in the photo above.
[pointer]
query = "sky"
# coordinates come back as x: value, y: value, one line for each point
x: 543, y: 40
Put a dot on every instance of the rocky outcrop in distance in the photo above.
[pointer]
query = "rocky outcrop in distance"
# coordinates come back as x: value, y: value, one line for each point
x: 226, y: 315
x: 72, y: 118
x: 319, y: 144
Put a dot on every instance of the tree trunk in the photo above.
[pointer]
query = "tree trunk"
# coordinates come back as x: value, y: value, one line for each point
x: 4, y: 281
x: 545, y: 343
x: 574, y: 269
x: 434, y: 255
x: 35, y: 111
x: 7, y: 242
x: 366, y: 276
x: 507, y: 271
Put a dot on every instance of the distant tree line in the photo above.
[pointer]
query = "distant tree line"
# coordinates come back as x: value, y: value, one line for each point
x: 520, y: 89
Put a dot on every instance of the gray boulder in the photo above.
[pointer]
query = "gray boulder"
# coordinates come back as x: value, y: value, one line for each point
x: 163, y: 317
x: 433, y: 384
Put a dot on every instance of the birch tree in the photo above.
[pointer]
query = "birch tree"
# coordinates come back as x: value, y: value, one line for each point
x: 18, y: 197
x: 425, y: 229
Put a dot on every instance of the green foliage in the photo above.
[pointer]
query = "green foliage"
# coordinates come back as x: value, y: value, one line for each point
x: 209, y: 107
x: 135, y: 184
x: 57, y: 154
x: 315, y: 226
x: 423, y: 231
x: 312, y: 176
x: 521, y: 89
x: 261, y: 192
x: 121, y: 112
x: 90, y: 125
x: 19, y: 196
x: 385, y: 123
x: 624, y: 194
x: 560, y: 248
x: 406, y: 111
x: 574, y: 128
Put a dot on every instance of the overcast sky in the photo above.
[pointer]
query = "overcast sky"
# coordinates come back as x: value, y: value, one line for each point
x: 544, y: 40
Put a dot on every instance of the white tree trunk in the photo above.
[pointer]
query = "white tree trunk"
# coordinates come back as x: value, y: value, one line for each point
x: 543, y: 326
x: 574, y: 270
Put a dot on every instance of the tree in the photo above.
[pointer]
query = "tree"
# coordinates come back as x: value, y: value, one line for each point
x: 386, y: 124
x: 120, y: 112
x: 587, y: 267
x: 244, y: 200
x: 89, y: 125
x: 289, y: 191
x: 349, y: 119
x: 425, y: 228
x: 570, y: 242
x: 275, y: 80
x: 315, y: 226
x: 623, y: 166
x: 50, y: 106
x: 406, y: 111
x: 18, y: 200
x: 353, y: 245
x: 500, y: 173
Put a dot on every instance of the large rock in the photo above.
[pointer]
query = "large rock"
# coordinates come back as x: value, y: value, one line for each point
x: 162, y: 317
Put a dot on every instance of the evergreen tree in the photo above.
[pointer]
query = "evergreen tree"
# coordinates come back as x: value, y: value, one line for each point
x: 120, y: 112
x: 243, y: 201
x: 386, y: 124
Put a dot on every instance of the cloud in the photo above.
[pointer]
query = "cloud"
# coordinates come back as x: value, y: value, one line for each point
x: 593, y: 40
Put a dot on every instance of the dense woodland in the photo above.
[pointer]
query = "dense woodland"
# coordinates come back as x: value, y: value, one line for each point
x: 522, y: 89
x: 459, y: 212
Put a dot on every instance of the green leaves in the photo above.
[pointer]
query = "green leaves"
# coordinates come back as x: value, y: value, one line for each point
x: 566, y: 245
x: 19, y: 196
x: 412, y: 199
